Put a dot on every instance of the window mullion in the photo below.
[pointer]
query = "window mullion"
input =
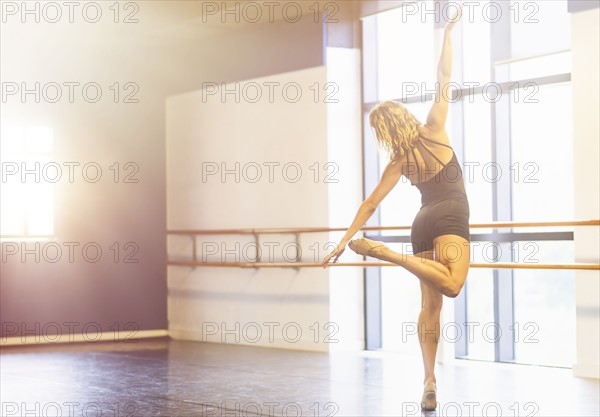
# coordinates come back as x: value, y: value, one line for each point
x: 501, y: 190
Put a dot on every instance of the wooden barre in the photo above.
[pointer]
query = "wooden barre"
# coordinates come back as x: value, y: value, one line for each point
x: 492, y: 225
x: 575, y: 266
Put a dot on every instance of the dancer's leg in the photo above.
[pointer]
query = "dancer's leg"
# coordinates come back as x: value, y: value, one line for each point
x: 446, y: 273
x: 429, y: 328
x: 429, y: 335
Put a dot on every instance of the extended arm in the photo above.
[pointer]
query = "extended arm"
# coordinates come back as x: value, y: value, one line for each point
x: 436, y: 118
x: 389, y: 179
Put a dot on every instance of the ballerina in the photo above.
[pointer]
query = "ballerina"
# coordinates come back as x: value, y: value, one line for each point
x: 440, y: 235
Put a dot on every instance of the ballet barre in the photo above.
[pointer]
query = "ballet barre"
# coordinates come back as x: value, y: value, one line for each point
x: 264, y: 231
x: 299, y: 230
x: 299, y: 264
x: 580, y: 266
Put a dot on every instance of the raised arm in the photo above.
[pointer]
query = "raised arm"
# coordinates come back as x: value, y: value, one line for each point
x: 390, y: 177
x: 436, y: 119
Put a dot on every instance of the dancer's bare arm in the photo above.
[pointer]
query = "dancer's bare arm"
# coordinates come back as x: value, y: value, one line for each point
x: 390, y: 177
x: 436, y: 119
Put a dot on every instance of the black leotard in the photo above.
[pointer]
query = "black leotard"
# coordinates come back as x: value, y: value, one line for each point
x: 445, y: 207
x: 447, y: 183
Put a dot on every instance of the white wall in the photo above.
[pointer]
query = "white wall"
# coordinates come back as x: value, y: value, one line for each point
x: 210, y: 132
x: 585, y: 76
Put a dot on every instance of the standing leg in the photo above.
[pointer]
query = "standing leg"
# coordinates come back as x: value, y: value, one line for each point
x: 429, y: 334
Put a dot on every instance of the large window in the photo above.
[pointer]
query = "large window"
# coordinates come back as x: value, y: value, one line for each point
x: 404, y: 63
x: 27, y: 185
x: 511, y: 128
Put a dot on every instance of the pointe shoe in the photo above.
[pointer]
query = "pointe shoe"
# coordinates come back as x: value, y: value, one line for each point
x: 364, y: 246
x: 429, y: 400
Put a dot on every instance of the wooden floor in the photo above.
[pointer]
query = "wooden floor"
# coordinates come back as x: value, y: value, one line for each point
x: 173, y: 378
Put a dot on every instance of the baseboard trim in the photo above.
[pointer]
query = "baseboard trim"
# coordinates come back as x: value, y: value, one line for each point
x: 303, y: 344
x: 121, y: 336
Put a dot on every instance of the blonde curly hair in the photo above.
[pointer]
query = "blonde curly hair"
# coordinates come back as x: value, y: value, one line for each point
x: 396, y: 129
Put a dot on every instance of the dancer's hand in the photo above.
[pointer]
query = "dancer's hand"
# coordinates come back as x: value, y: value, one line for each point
x: 454, y: 19
x: 337, y: 252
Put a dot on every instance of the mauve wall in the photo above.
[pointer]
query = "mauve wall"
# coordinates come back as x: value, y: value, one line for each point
x: 167, y: 52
